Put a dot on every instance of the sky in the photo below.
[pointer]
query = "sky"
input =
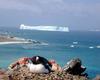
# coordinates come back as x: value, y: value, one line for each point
x: 75, y: 14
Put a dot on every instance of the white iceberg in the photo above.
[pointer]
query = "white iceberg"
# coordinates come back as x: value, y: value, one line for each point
x: 45, y: 28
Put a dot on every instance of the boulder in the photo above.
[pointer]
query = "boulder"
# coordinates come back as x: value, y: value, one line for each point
x: 74, y: 66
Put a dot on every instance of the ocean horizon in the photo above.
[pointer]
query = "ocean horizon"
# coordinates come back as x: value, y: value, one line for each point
x: 60, y: 46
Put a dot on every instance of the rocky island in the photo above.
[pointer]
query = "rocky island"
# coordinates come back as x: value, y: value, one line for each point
x: 17, y: 40
x: 12, y: 40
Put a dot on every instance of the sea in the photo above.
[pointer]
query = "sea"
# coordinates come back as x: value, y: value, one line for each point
x: 60, y: 46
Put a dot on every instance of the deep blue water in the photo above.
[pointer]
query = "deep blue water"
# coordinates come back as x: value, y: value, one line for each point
x: 58, y: 48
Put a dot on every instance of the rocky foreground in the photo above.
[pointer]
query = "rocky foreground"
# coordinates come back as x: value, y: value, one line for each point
x: 20, y: 71
x: 23, y: 74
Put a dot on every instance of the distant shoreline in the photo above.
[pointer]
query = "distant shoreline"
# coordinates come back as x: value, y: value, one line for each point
x: 12, y: 40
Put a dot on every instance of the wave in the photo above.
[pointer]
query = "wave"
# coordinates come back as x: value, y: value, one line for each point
x: 45, y: 28
x: 82, y: 46
x: 44, y: 44
x: 98, y: 46
x: 35, y: 46
x: 91, y: 47
x: 75, y: 42
x: 72, y: 46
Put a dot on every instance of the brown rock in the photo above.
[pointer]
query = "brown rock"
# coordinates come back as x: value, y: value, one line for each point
x: 3, y: 75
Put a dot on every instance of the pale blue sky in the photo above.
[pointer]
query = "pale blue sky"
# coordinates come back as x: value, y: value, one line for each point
x: 76, y: 14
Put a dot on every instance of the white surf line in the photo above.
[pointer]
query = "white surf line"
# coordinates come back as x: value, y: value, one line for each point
x: 15, y: 42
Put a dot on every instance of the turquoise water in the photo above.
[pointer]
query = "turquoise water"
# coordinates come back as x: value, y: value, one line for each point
x: 59, y: 47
